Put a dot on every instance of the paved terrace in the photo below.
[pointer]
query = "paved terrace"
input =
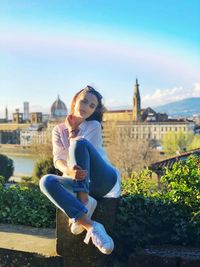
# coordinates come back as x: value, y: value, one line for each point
x: 28, y: 239
x: 23, y: 246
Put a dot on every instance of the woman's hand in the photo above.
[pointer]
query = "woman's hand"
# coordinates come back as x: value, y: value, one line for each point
x: 72, y: 125
x: 77, y: 173
x: 71, y: 122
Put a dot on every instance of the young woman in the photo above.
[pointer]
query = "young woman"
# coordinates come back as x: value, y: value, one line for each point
x: 87, y: 172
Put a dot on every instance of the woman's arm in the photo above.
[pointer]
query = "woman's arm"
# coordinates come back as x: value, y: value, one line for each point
x: 59, y: 150
x: 75, y: 172
x: 60, y: 158
x: 61, y: 165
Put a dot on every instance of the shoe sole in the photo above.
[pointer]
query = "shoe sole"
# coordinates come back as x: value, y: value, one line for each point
x: 102, y: 249
x: 107, y: 252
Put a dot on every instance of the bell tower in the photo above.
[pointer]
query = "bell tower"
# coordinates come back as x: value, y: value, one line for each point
x: 6, y: 114
x: 136, y: 102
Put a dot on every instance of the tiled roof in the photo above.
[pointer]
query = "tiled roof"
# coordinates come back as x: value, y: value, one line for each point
x: 119, y: 110
x: 158, y: 166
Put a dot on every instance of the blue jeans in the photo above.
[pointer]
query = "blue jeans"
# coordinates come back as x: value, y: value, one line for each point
x: 100, y: 179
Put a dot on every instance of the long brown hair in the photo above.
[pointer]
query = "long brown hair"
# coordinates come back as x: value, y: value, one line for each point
x: 100, y: 109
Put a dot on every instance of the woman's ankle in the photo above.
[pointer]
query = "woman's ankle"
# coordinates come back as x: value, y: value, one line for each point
x: 86, y: 222
x: 83, y: 197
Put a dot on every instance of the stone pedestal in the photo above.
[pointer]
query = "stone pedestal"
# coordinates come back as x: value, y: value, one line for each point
x: 74, y: 251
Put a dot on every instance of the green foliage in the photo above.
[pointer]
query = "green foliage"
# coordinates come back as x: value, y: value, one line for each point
x: 2, y: 180
x: 176, y: 141
x: 182, y: 183
x: 26, y: 206
x: 146, y: 215
x: 42, y: 167
x: 6, y: 167
x: 195, y: 142
x: 27, y: 180
x: 141, y: 184
x: 24, y: 203
x: 170, y: 215
x: 143, y: 221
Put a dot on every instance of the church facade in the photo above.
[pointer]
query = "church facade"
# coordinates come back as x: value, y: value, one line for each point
x: 35, y: 130
x: 37, y: 134
x: 141, y: 124
x: 136, y: 114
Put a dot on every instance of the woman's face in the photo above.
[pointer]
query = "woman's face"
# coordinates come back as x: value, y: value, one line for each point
x: 85, y: 105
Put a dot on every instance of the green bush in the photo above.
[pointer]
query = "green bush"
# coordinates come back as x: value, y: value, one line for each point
x: 169, y: 216
x: 145, y: 217
x: 6, y: 167
x: 182, y: 183
x: 44, y: 166
x: 140, y: 183
x: 143, y: 221
x: 26, y: 206
x: 2, y: 180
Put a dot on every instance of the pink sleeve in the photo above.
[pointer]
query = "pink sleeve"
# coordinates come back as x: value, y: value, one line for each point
x: 59, y: 150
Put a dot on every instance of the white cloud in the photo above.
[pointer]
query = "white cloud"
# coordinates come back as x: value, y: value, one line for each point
x: 164, y: 96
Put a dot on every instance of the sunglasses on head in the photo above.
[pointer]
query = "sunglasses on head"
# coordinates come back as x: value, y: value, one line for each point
x: 92, y: 90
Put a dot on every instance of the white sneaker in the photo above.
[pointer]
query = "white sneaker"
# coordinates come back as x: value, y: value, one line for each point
x: 100, y: 238
x: 77, y: 228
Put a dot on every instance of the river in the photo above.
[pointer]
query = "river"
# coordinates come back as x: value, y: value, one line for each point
x: 23, y: 164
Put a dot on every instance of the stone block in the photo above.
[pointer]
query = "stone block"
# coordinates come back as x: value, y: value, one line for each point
x: 165, y: 256
x: 72, y: 248
x: 190, y: 262
x: 151, y: 261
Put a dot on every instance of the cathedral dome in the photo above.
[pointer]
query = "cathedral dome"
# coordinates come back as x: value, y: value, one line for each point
x: 58, y: 109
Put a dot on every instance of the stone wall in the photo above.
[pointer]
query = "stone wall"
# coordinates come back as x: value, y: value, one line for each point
x: 165, y: 257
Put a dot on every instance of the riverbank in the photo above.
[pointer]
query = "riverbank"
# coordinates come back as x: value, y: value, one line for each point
x: 21, y: 150
x: 23, y: 164
x: 14, y: 149
x: 17, y: 178
x: 24, y: 157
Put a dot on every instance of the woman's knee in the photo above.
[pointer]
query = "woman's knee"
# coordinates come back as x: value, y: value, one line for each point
x: 46, y: 181
x: 80, y: 143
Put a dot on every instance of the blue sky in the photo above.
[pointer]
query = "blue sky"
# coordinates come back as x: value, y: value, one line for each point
x: 57, y: 47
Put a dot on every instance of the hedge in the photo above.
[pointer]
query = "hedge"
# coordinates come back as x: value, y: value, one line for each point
x: 26, y: 206
x: 146, y: 215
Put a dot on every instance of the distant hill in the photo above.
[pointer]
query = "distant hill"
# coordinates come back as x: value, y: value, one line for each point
x: 185, y: 107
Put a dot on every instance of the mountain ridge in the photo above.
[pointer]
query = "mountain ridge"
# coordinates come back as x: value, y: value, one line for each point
x: 185, y: 107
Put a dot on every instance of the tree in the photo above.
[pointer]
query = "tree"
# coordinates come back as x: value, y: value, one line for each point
x: 128, y: 154
x: 44, y: 166
x: 179, y: 141
x: 195, y: 143
x: 6, y: 167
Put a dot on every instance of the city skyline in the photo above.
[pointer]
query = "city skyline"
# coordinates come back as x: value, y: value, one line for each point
x: 58, y: 47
